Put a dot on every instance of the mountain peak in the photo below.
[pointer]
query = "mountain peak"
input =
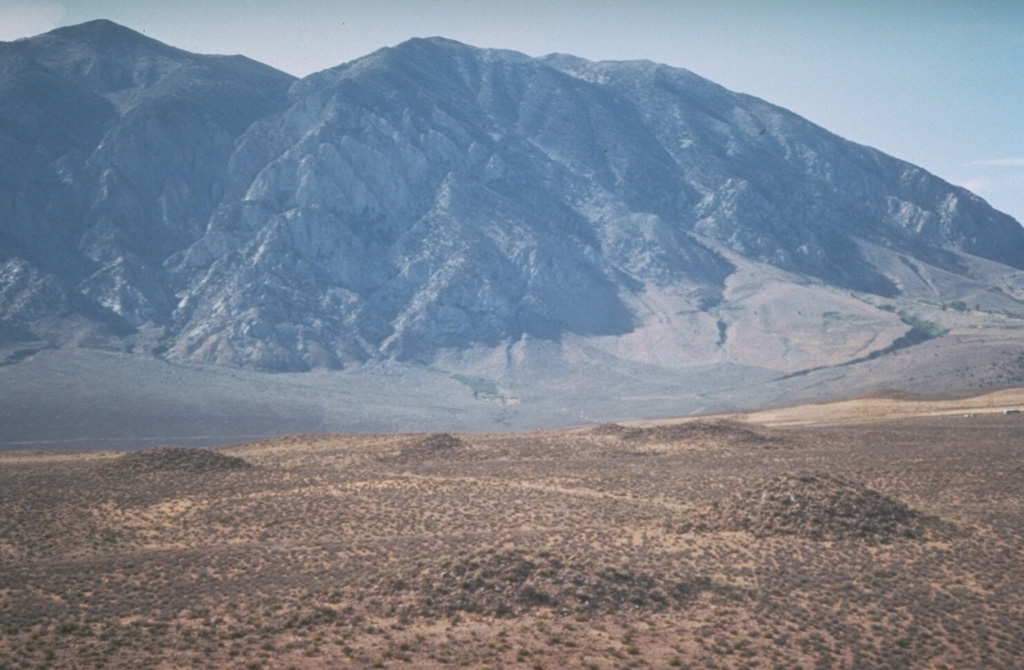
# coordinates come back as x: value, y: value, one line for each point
x: 434, y: 200
x: 98, y: 28
x: 439, y: 49
x: 104, y: 36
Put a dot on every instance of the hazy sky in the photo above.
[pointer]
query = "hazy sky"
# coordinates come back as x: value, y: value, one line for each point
x: 939, y: 83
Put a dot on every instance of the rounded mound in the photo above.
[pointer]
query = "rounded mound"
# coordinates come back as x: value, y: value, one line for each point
x: 439, y: 442
x: 716, y: 431
x: 612, y: 429
x: 433, y: 446
x: 178, y: 459
x: 819, y: 506
x: 508, y: 582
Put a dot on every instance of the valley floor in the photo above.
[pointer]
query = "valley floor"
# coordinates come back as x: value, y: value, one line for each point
x: 873, y: 538
x: 89, y: 399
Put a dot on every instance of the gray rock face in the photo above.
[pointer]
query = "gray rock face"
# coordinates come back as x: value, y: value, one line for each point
x: 772, y: 186
x: 432, y: 197
x: 113, y: 153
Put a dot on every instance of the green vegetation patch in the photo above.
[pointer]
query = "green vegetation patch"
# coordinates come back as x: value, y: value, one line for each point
x: 929, y: 328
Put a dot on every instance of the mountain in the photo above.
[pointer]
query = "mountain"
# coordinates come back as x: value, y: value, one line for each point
x: 478, y: 211
x: 113, y: 154
x: 435, y: 196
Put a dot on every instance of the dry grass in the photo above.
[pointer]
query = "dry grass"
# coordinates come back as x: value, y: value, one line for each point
x: 890, y: 405
x: 721, y: 543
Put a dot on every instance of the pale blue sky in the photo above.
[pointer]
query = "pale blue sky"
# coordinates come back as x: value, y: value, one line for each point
x: 939, y: 83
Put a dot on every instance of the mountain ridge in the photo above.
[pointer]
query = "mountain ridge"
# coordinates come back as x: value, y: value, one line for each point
x: 439, y: 204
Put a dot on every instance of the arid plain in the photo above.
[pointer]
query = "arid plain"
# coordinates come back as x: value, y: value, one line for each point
x: 881, y: 532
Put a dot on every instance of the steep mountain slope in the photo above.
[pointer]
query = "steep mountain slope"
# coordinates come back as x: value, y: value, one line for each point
x: 421, y: 214
x: 435, y: 196
x: 475, y: 209
x: 779, y: 189
x: 113, y: 149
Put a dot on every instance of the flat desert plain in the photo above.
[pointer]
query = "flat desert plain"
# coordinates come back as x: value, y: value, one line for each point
x: 883, y: 532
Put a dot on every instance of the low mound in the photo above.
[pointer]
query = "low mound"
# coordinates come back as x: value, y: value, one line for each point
x: 612, y: 429
x: 819, y: 506
x: 712, y: 431
x: 178, y: 459
x: 433, y: 446
x: 509, y: 582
